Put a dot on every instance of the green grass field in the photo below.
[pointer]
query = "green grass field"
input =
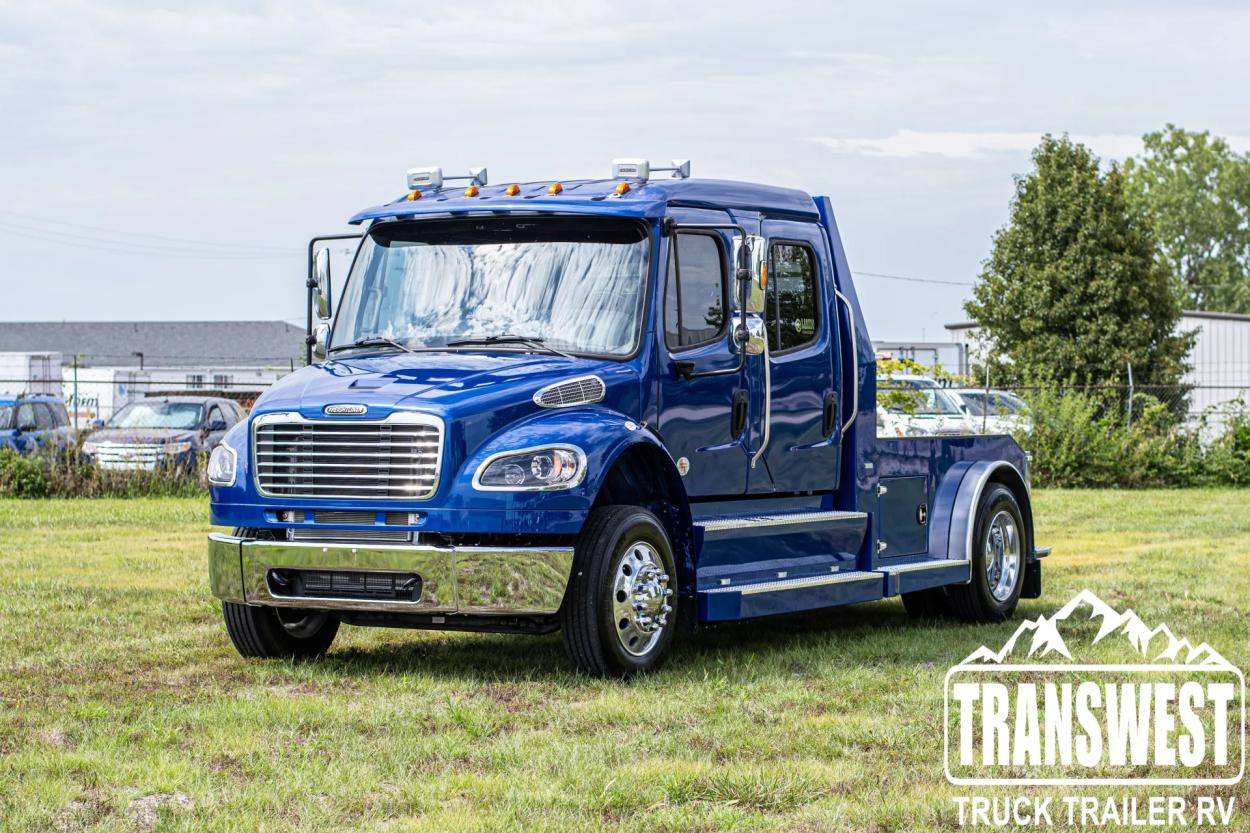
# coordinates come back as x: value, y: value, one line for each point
x: 123, y: 705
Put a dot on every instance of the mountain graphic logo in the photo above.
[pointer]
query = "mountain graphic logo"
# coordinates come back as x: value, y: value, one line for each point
x: 1094, y: 695
x: 1043, y: 637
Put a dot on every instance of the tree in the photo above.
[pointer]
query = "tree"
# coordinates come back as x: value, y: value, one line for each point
x: 1072, y: 292
x: 1196, y: 192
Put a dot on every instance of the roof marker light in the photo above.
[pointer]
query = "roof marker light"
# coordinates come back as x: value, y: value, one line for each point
x: 555, y: 188
x: 622, y: 188
x: 414, y: 194
x: 471, y: 191
x: 512, y: 190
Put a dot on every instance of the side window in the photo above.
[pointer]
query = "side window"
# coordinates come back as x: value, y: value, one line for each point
x: 791, y: 308
x: 214, y: 413
x: 60, y: 416
x: 43, y: 417
x: 695, y: 296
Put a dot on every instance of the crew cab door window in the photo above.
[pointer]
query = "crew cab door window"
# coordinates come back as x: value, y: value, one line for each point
x: 695, y: 295
x: 791, y: 308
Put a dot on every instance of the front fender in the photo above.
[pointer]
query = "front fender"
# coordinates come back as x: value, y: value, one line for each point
x: 601, y: 433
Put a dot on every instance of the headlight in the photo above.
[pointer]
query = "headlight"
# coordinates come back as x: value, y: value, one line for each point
x: 177, y: 448
x: 534, y: 469
x: 221, y: 466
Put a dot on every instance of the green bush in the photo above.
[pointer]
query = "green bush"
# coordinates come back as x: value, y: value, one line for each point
x: 1076, y: 442
x: 21, y: 476
x: 67, y: 474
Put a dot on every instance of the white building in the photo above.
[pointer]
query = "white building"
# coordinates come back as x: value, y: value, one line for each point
x: 1220, y: 359
x: 949, y: 354
x: 100, y: 366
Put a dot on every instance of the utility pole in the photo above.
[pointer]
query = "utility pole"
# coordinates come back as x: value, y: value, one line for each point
x: 75, y: 394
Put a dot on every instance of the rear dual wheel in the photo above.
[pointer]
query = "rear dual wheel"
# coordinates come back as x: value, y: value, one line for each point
x: 998, y: 558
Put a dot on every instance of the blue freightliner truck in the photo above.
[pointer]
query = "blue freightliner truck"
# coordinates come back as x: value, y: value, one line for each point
x: 617, y: 408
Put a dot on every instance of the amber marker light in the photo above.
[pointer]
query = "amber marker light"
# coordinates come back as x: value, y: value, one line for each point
x: 555, y: 188
x: 414, y: 194
x: 471, y: 191
x: 622, y: 188
x: 512, y: 190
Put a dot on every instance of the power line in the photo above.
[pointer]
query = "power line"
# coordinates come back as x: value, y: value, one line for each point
x: 123, y: 233
x: 127, y: 248
x: 911, y: 279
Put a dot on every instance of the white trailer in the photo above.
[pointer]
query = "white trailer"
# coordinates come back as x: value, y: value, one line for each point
x: 30, y: 372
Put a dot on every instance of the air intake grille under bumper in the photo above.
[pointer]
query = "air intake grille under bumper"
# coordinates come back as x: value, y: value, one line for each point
x: 345, y: 584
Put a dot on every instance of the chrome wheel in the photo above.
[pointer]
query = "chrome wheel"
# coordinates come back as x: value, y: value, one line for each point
x: 640, y: 598
x: 1002, y: 555
x: 300, y: 624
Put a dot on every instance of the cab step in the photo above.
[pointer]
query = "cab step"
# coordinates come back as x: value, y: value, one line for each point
x: 788, y: 595
x: 718, y: 526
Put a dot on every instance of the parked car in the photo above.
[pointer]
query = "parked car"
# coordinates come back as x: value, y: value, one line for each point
x: 914, y: 406
x: 164, y: 431
x: 30, y: 423
x: 993, y: 411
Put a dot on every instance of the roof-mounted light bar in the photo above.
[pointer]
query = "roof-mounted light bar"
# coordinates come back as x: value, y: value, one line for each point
x: 641, y: 169
x: 432, y: 178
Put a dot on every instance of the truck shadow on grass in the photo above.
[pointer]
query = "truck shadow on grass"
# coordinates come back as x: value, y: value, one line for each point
x: 878, y: 634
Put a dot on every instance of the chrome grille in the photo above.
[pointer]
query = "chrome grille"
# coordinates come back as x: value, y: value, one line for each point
x: 129, y: 456
x: 581, y: 391
x: 397, y: 458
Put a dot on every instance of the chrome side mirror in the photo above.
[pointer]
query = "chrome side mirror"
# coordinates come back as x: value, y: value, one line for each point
x: 750, y: 335
x: 751, y: 269
x: 321, y: 335
x: 321, y: 278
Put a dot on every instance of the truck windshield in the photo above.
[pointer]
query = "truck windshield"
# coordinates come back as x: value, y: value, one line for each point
x: 157, y: 415
x: 574, y: 284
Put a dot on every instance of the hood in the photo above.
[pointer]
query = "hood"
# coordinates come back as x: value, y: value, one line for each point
x: 436, y: 381
x: 140, y: 436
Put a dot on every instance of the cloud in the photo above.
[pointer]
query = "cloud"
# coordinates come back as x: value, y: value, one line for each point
x: 970, y: 145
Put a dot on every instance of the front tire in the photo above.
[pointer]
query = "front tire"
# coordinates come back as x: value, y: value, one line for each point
x: 620, y: 608
x: 273, y: 632
x: 999, y: 548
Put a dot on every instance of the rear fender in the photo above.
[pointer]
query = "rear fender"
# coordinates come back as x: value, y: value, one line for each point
x: 956, y: 501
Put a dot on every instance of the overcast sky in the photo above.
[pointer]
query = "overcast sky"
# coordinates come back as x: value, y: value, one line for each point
x: 169, y: 161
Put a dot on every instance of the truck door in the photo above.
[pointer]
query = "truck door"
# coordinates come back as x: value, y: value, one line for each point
x: 703, y: 417
x: 804, y: 431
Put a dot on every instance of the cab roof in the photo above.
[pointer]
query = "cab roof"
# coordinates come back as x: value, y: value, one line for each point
x: 598, y: 196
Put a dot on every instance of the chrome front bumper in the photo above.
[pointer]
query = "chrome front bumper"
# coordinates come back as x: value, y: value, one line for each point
x: 472, y: 580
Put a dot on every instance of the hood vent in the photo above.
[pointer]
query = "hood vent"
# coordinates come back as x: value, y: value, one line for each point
x: 584, y: 390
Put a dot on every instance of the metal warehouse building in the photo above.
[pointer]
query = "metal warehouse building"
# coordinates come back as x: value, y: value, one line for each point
x: 1219, y: 362
x: 101, y: 365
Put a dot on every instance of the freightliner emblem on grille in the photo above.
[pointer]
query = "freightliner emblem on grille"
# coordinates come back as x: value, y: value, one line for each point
x: 344, y: 410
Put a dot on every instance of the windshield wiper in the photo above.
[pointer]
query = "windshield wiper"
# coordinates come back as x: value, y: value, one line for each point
x: 508, y: 338
x: 371, y: 341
